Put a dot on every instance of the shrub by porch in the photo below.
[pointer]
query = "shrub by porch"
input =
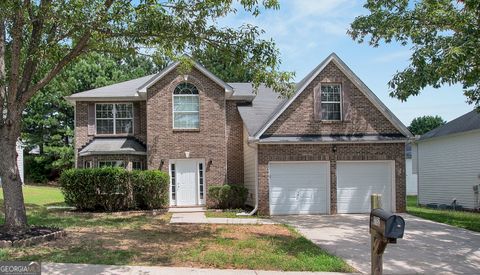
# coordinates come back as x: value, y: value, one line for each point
x: 114, y: 189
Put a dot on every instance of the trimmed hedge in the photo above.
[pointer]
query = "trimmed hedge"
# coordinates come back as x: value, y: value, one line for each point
x: 228, y: 196
x: 114, y: 189
x: 150, y: 189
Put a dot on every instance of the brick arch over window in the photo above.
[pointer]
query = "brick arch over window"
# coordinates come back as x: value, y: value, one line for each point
x: 186, y: 78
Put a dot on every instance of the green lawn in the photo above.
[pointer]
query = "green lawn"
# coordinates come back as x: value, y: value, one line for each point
x: 467, y: 220
x: 228, y: 214
x: 40, y: 195
x: 137, y: 238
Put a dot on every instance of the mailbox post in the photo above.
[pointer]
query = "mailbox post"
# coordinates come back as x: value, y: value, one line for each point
x: 385, y: 228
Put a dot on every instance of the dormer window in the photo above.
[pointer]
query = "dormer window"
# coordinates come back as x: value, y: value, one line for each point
x: 186, y: 107
x: 331, y: 98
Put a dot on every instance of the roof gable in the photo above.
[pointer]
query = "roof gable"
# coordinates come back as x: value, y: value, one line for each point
x: 302, y: 85
x: 143, y: 89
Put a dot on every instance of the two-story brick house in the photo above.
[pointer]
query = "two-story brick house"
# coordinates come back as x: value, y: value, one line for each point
x: 324, y: 150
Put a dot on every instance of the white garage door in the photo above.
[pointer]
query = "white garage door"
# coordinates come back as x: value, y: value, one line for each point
x: 299, y: 187
x: 357, y: 180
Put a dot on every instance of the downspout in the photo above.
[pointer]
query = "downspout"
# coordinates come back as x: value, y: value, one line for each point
x: 255, y: 209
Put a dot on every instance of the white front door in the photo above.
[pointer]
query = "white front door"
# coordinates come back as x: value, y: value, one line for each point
x: 186, y: 182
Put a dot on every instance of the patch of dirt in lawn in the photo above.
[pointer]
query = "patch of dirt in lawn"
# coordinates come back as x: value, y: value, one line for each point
x: 243, y: 232
x: 152, y: 242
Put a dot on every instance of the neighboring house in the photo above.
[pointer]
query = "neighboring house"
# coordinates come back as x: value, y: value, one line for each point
x: 412, y: 179
x: 324, y: 150
x: 19, y: 161
x: 447, y: 160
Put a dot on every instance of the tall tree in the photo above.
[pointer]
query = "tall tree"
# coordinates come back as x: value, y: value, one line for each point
x: 423, y: 124
x: 38, y: 39
x: 228, y: 65
x: 47, y: 120
x: 444, y: 35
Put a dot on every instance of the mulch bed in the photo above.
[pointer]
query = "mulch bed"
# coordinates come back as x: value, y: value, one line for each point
x: 34, y: 235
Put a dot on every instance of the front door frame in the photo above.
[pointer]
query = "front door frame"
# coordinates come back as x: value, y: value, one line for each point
x: 200, y: 198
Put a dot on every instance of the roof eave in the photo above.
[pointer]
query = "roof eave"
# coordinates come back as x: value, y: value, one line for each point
x: 447, y: 136
x: 73, y: 99
x: 88, y: 153
x: 260, y: 141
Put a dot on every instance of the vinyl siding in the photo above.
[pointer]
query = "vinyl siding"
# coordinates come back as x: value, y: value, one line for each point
x: 411, y: 178
x: 250, y: 171
x: 448, y: 168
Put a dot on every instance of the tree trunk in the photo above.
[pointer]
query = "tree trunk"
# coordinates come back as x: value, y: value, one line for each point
x: 15, y: 214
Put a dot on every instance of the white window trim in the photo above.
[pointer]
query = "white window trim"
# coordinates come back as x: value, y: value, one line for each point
x: 173, y: 202
x: 336, y: 102
x: 88, y: 164
x: 115, y: 119
x: 198, y: 161
x: 200, y: 199
x: 141, y: 164
x: 185, y: 112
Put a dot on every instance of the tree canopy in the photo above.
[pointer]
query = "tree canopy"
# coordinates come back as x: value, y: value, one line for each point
x: 424, y: 124
x: 39, y: 39
x: 444, y: 36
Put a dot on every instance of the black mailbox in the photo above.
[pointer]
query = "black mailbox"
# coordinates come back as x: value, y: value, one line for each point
x: 386, y: 224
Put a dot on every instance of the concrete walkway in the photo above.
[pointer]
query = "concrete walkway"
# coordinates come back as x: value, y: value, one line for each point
x: 199, y: 217
x: 427, y: 247
x: 84, y: 269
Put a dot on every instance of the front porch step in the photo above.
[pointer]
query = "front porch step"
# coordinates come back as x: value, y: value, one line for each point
x: 186, y: 209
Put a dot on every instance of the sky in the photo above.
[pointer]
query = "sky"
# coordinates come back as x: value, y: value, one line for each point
x: 307, y: 31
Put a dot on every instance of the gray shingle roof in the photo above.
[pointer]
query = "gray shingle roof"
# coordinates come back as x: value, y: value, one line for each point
x: 122, y: 89
x: 265, y: 104
x: 468, y: 122
x: 103, y: 146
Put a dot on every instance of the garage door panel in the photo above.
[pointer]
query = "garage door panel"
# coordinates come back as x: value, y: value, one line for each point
x: 292, y: 195
x: 298, y: 188
x: 356, y: 181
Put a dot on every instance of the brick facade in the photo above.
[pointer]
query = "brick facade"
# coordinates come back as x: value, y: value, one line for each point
x: 208, y: 143
x: 362, y: 118
x: 83, y: 138
x: 234, y: 136
x: 219, y: 139
x: 325, y: 152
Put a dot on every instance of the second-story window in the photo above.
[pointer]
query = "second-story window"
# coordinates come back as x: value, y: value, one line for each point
x: 114, y: 118
x: 331, y: 102
x: 186, y: 114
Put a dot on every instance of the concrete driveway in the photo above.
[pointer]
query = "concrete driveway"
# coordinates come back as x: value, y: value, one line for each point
x: 427, y: 247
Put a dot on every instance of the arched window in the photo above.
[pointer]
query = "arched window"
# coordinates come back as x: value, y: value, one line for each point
x: 186, y: 107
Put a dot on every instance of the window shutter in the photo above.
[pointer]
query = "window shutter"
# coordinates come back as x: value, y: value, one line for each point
x: 347, y: 101
x: 136, y: 118
x: 318, y: 103
x: 91, y: 119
